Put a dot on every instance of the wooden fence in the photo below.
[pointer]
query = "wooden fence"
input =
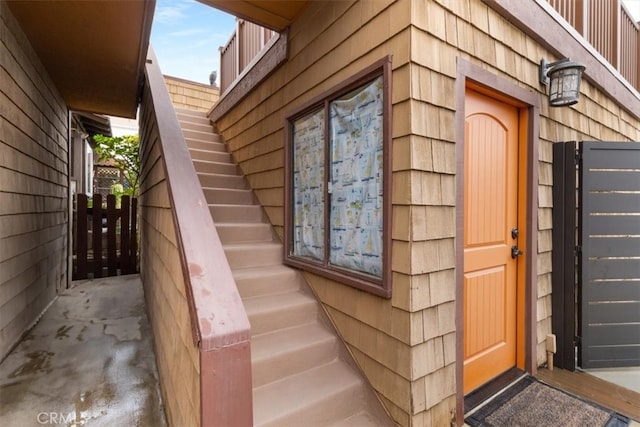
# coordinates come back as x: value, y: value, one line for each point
x: 105, y: 239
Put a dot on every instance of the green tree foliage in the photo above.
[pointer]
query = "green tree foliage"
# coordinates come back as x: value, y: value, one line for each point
x: 124, y: 153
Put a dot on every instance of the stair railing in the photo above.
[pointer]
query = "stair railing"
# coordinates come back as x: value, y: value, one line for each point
x: 219, y: 323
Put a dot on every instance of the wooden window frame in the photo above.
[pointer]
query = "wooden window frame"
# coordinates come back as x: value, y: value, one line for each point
x: 378, y: 286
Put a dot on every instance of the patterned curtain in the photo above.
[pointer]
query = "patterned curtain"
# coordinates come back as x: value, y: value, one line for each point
x: 308, y: 186
x: 356, y: 144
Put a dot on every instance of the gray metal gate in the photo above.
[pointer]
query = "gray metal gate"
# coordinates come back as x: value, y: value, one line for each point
x: 609, y: 244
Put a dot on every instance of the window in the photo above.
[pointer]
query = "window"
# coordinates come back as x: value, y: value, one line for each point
x: 338, y: 183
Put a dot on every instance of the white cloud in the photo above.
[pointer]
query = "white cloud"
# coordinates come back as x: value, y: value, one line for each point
x: 188, y: 32
x: 171, y: 14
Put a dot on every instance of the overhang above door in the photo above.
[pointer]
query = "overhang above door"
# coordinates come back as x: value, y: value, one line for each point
x: 274, y: 14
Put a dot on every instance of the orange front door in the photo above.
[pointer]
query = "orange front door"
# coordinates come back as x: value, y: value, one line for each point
x: 490, y: 215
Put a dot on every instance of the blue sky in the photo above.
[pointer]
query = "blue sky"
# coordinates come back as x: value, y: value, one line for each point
x: 186, y: 36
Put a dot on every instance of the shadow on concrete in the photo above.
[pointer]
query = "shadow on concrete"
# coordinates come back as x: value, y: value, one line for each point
x: 88, y: 361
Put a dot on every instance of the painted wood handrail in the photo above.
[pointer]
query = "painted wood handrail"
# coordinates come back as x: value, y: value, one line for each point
x: 219, y: 322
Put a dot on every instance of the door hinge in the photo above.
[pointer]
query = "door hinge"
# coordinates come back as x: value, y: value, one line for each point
x: 577, y: 340
x: 577, y: 156
x: 578, y: 250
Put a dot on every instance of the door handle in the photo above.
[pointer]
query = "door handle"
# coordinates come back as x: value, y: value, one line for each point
x: 515, y: 251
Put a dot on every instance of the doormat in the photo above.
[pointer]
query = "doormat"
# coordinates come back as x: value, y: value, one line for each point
x: 530, y: 403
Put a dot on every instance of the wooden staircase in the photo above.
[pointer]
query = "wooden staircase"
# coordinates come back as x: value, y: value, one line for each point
x: 302, y: 375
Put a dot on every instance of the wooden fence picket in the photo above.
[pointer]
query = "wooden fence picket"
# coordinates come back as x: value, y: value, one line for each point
x: 82, y: 231
x: 96, y: 213
x: 121, y: 237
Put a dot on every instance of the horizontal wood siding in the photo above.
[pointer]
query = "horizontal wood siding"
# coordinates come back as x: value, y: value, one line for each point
x: 176, y: 354
x: 33, y: 185
x: 407, y: 345
x: 191, y: 95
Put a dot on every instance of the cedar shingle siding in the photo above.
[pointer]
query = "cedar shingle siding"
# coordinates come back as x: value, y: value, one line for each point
x: 191, y: 95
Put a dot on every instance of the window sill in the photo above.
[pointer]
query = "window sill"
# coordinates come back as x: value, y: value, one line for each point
x: 358, y: 281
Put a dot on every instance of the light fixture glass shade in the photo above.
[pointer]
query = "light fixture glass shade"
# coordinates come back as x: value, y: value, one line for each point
x: 564, y: 84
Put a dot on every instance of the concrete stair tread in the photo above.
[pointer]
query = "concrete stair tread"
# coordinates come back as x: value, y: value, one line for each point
x: 190, y: 118
x: 234, y: 205
x: 361, y: 419
x: 262, y: 272
x: 253, y: 254
x: 241, y: 224
x: 284, y: 341
x: 244, y: 246
x: 203, y: 144
x: 214, y: 156
x: 201, y: 135
x: 213, y: 162
x: 206, y: 143
x: 318, y: 396
x: 229, y: 213
x: 222, y: 175
x: 289, y: 351
x: 220, y: 180
x: 187, y: 124
x: 237, y: 196
x: 285, y: 311
x: 211, y: 166
x: 243, y: 190
x: 216, y: 147
x: 187, y: 116
x: 266, y: 280
x: 190, y: 111
x: 244, y: 232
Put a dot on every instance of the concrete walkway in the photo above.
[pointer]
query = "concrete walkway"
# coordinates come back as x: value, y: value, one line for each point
x: 89, y: 361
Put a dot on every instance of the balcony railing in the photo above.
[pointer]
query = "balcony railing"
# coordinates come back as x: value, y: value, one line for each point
x: 245, y: 44
x: 610, y: 29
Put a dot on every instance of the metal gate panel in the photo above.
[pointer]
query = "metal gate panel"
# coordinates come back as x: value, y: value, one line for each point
x: 610, y: 257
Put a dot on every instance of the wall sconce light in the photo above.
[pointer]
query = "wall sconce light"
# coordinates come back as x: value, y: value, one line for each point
x: 563, y: 78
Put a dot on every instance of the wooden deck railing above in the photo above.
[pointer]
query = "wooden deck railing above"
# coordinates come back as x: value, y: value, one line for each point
x: 245, y: 44
x: 219, y: 322
x: 610, y: 29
